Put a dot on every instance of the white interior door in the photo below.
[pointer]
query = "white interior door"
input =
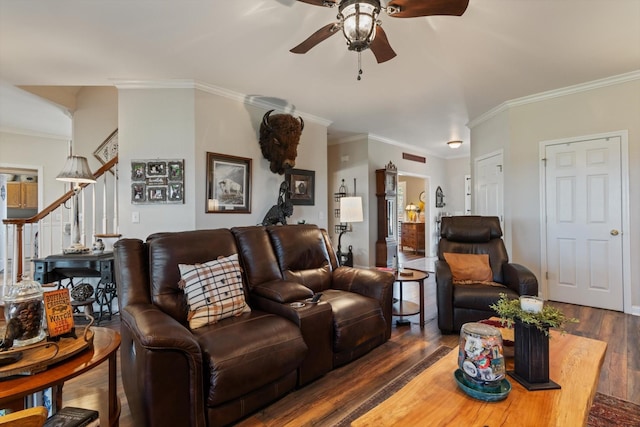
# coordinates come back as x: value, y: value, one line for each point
x: 584, y: 222
x: 489, y: 187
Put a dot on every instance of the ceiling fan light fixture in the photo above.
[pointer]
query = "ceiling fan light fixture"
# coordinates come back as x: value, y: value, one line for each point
x: 359, y: 21
x: 454, y: 144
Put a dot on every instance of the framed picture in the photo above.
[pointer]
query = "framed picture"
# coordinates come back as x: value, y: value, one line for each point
x: 228, y: 184
x: 302, y: 184
x: 157, y: 181
x: 108, y: 149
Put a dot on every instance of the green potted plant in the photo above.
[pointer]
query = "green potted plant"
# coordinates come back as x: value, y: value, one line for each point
x: 511, y: 310
x: 531, y: 319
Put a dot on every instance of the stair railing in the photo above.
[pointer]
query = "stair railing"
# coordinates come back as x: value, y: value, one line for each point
x: 35, y: 237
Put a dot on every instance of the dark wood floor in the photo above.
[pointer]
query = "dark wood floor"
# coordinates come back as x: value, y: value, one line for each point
x: 330, y: 397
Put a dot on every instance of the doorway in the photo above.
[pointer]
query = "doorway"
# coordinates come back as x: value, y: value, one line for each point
x: 413, y: 215
x: 584, y: 253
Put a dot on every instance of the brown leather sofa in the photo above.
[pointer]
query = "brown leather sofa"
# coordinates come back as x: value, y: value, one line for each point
x: 218, y: 374
x: 459, y: 303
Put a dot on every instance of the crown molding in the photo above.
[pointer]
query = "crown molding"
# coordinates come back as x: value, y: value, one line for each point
x: 31, y: 133
x: 253, y: 100
x: 542, y: 96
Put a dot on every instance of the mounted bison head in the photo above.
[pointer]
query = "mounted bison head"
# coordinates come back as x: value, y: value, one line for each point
x: 279, y: 138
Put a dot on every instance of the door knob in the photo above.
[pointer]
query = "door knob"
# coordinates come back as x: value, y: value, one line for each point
x: 614, y: 232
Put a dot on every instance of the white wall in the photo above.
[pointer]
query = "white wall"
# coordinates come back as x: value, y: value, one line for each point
x: 226, y: 126
x: 519, y: 129
x: 348, y: 160
x: 34, y: 152
x: 156, y: 124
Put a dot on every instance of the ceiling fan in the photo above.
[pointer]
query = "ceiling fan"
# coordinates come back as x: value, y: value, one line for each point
x: 358, y: 20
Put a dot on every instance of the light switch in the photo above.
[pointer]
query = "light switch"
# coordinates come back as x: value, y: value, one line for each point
x: 135, y: 217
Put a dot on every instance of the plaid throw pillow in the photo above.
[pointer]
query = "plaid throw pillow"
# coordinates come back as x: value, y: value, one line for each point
x: 214, y: 290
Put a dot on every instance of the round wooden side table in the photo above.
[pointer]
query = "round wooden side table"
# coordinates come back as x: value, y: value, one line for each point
x: 105, y: 345
x: 402, y: 307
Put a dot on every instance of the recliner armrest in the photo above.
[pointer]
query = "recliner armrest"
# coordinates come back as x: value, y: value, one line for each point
x: 155, y: 329
x: 371, y: 283
x: 444, y: 296
x: 368, y: 282
x: 160, y: 354
x: 282, y: 291
x: 520, y: 279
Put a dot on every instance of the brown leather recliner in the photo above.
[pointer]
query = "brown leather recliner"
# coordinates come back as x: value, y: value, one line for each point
x: 291, y: 263
x: 469, y: 302
x: 210, y: 376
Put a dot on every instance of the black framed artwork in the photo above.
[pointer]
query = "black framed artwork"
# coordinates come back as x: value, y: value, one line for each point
x: 302, y: 185
x: 228, y: 184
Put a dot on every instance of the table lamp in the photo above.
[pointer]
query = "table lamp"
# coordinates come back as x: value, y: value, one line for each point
x: 350, y: 211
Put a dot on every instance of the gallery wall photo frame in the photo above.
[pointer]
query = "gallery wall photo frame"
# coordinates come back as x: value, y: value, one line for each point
x: 108, y: 149
x: 157, y: 181
x: 302, y: 186
x: 228, y: 184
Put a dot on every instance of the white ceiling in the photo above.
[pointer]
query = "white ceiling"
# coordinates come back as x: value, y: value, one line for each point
x: 449, y: 70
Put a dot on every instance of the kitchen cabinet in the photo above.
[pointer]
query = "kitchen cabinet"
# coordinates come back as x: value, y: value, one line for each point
x: 22, y: 195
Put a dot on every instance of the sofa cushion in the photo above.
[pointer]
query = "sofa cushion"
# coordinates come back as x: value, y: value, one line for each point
x: 214, y: 290
x: 246, y: 352
x: 356, y: 319
x: 469, y: 266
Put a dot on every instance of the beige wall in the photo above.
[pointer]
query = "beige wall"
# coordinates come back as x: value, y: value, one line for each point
x: 519, y: 130
x: 36, y: 152
x: 349, y: 160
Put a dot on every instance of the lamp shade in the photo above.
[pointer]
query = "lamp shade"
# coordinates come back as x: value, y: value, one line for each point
x: 411, y: 207
x: 76, y: 169
x: 351, y: 209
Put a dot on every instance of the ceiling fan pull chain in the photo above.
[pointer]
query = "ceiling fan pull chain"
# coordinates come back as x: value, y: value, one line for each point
x: 359, y: 66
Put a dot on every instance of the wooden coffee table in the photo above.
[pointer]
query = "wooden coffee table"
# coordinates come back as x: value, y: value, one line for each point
x: 434, y: 399
x: 105, y: 345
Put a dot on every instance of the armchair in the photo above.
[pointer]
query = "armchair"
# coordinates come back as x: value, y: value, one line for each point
x: 462, y: 301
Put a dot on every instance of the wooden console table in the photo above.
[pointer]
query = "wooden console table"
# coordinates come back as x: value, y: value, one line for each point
x: 434, y: 399
x: 56, y: 268
x: 105, y: 345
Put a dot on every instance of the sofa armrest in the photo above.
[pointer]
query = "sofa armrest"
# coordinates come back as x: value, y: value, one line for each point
x: 444, y: 296
x: 520, y: 279
x: 371, y: 283
x: 282, y: 291
x: 160, y: 354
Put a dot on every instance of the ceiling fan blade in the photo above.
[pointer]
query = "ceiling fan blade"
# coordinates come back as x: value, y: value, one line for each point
x: 380, y: 46
x: 415, y: 8
x: 317, y: 37
x: 326, y: 3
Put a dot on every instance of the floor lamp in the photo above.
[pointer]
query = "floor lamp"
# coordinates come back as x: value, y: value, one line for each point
x: 76, y: 170
x: 350, y: 211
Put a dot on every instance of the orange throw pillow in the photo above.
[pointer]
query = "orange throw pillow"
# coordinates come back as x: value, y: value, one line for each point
x: 469, y: 266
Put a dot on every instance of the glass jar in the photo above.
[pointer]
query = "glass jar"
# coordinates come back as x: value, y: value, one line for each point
x: 481, y: 356
x: 23, y: 311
